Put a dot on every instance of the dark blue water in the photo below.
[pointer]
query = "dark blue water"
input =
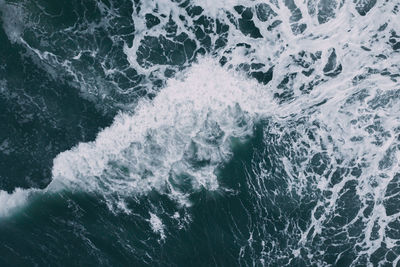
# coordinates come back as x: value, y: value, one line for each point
x: 175, y: 133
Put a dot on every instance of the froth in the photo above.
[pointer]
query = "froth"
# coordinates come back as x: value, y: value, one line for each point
x: 13, y: 20
x: 10, y: 202
x: 157, y: 225
x: 172, y: 144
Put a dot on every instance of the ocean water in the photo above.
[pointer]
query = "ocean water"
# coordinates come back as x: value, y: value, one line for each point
x: 200, y: 133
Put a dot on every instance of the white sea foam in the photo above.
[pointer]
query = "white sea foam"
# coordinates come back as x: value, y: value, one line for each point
x: 172, y: 144
x: 13, y: 19
x: 175, y: 143
x: 11, y: 202
x: 157, y: 225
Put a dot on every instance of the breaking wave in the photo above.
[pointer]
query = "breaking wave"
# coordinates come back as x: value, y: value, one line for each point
x: 192, y: 80
x: 172, y: 144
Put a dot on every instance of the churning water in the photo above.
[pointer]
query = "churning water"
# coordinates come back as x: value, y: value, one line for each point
x: 199, y: 132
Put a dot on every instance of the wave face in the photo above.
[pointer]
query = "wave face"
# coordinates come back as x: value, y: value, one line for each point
x: 171, y: 132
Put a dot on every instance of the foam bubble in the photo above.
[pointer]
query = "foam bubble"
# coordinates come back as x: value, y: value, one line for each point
x: 157, y: 225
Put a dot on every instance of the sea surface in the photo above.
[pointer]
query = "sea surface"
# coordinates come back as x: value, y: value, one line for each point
x: 200, y: 133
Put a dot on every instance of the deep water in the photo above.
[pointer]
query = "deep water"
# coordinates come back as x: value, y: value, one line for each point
x: 41, y: 116
x: 199, y: 133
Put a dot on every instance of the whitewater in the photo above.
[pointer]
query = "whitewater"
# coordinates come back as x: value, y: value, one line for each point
x: 288, y: 108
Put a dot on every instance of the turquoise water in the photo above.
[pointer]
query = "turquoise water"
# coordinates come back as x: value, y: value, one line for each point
x: 176, y: 133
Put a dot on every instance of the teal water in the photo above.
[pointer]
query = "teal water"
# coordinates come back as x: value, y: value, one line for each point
x: 176, y: 133
x: 212, y: 232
